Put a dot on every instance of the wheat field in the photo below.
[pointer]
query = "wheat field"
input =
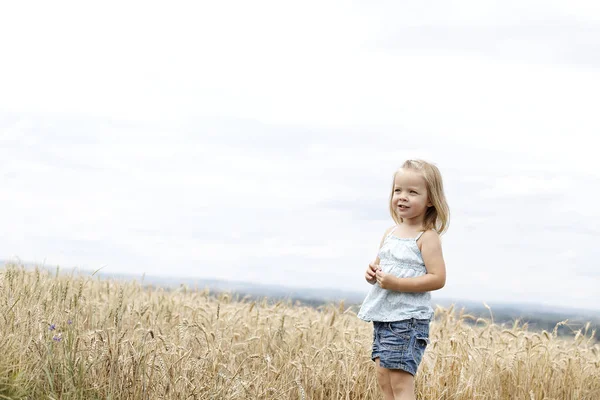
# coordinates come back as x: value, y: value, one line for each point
x: 79, y: 337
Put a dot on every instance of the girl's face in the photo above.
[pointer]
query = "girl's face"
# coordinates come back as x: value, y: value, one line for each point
x: 410, y: 199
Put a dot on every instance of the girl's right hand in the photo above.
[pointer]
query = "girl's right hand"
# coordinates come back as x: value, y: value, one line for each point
x: 370, y: 275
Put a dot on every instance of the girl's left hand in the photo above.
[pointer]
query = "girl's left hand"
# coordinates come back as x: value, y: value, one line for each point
x: 384, y: 280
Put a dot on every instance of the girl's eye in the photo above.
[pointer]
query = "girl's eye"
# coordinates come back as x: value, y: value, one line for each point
x: 397, y: 190
x: 412, y: 191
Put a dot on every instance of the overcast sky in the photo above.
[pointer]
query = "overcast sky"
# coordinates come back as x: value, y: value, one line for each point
x: 256, y: 141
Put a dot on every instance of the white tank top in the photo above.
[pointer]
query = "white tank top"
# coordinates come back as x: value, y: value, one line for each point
x: 402, y: 258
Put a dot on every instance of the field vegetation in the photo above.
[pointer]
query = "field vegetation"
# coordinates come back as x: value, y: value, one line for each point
x: 79, y: 337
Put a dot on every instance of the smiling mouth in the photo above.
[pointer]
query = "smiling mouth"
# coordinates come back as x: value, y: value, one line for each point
x: 403, y: 207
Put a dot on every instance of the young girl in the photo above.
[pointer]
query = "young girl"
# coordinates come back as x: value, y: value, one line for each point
x: 408, y: 266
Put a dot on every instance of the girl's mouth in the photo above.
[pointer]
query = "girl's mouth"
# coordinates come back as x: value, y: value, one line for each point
x: 402, y: 207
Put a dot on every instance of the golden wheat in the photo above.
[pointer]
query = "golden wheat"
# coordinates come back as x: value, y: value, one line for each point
x: 76, y: 337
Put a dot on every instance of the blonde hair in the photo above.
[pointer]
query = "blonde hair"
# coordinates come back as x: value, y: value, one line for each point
x: 437, y: 217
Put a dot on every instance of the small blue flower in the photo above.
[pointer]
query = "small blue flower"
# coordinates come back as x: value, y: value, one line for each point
x: 69, y: 322
x: 52, y: 327
x: 57, y: 338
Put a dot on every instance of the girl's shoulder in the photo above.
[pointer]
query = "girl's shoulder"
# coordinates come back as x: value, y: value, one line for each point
x: 429, y: 237
x: 390, y: 229
x: 387, y: 233
x: 430, y: 234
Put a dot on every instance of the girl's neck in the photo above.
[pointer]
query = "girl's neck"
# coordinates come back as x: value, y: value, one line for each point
x: 414, y: 223
x: 409, y: 229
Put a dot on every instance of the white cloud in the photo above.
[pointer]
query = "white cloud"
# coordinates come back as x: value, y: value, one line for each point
x: 511, y: 186
x: 227, y: 138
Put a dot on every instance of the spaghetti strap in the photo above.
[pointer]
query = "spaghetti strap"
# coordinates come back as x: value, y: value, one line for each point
x: 419, y: 235
x: 391, y: 231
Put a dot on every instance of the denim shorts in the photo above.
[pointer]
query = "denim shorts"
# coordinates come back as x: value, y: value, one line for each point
x: 400, y: 344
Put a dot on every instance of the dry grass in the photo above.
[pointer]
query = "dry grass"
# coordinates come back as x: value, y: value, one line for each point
x: 122, y: 341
